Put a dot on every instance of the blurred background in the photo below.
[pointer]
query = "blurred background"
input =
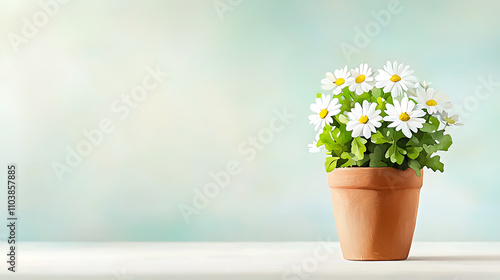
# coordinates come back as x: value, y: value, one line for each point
x: 187, y: 120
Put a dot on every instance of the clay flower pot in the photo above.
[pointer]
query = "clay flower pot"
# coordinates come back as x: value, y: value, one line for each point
x: 375, y: 211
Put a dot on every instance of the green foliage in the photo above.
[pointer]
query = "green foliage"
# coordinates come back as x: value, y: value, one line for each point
x: 376, y: 158
x: 386, y: 147
x: 331, y: 163
x: 413, y: 152
x: 358, y: 147
x: 415, y: 165
x: 379, y: 138
x: 343, y: 119
x: 348, y: 159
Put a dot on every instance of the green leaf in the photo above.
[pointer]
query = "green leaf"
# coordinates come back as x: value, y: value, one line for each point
x: 341, y: 136
x: 413, y: 152
x: 395, y: 154
x: 445, y: 142
x: 415, y: 165
x: 434, y: 121
x: 346, y: 103
x: 378, y: 138
x: 363, y: 96
x: 427, y: 139
x: 430, y: 149
x: 363, y: 161
x: 393, y: 135
x: 376, y: 157
x: 434, y: 163
x: 343, y: 119
x: 330, y: 145
x: 380, y: 104
x: 358, y: 147
x: 414, y: 140
x: 318, y: 95
x: 376, y: 92
x: 331, y: 163
x: 427, y: 127
x: 346, y: 90
x: 350, y: 161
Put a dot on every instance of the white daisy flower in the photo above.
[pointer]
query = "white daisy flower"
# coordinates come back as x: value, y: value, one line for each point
x: 433, y: 101
x: 361, y: 79
x: 363, y: 119
x: 336, y: 81
x: 403, y: 117
x: 395, y: 78
x: 324, y: 109
x: 313, y: 148
x: 413, y: 90
x: 425, y: 84
x: 452, y: 120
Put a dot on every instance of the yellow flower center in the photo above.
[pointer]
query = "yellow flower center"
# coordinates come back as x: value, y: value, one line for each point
x: 450, y: 121
x: 395, y: 78
x: 360, y: 79
x: 363, y: 119
x: 404, y: 116
x: 323, y: 113
x: 431, y: 102
x: 339, y: 81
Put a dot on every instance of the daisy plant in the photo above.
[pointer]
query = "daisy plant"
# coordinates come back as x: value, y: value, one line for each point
x: 381, y: 119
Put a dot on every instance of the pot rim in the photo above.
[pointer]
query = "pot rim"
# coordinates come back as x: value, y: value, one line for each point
x: 367, y: 167
x: 374, y: 178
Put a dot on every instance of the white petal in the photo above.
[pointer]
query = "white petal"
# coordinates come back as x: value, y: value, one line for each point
x: 351, y: 116
x: 388, y: 87
x: 417, y: 113
x: 411, y: 105
x: 326, y: 81
x: 399, y: 110
x: 327, y: 87
x: 404, y: 104
x: 391, y: 119
x: 394, y: 124
x: 406, y: 131
x: 351, y: 125
x: 315, y: 108
x: 366, y: 131
x: 313, y: 118
x: 376, y: 123
x: 371, y: 109
x: 357, y: 130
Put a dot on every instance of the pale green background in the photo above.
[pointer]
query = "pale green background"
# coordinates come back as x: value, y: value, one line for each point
x: 226, y: 77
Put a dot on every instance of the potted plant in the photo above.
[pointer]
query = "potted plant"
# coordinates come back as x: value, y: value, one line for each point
x: 379, y: 131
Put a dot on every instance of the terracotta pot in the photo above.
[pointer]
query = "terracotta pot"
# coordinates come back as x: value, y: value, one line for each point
x: 375, y: 211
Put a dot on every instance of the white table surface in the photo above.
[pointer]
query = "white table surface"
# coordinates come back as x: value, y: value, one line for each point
x: 250, y: 260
